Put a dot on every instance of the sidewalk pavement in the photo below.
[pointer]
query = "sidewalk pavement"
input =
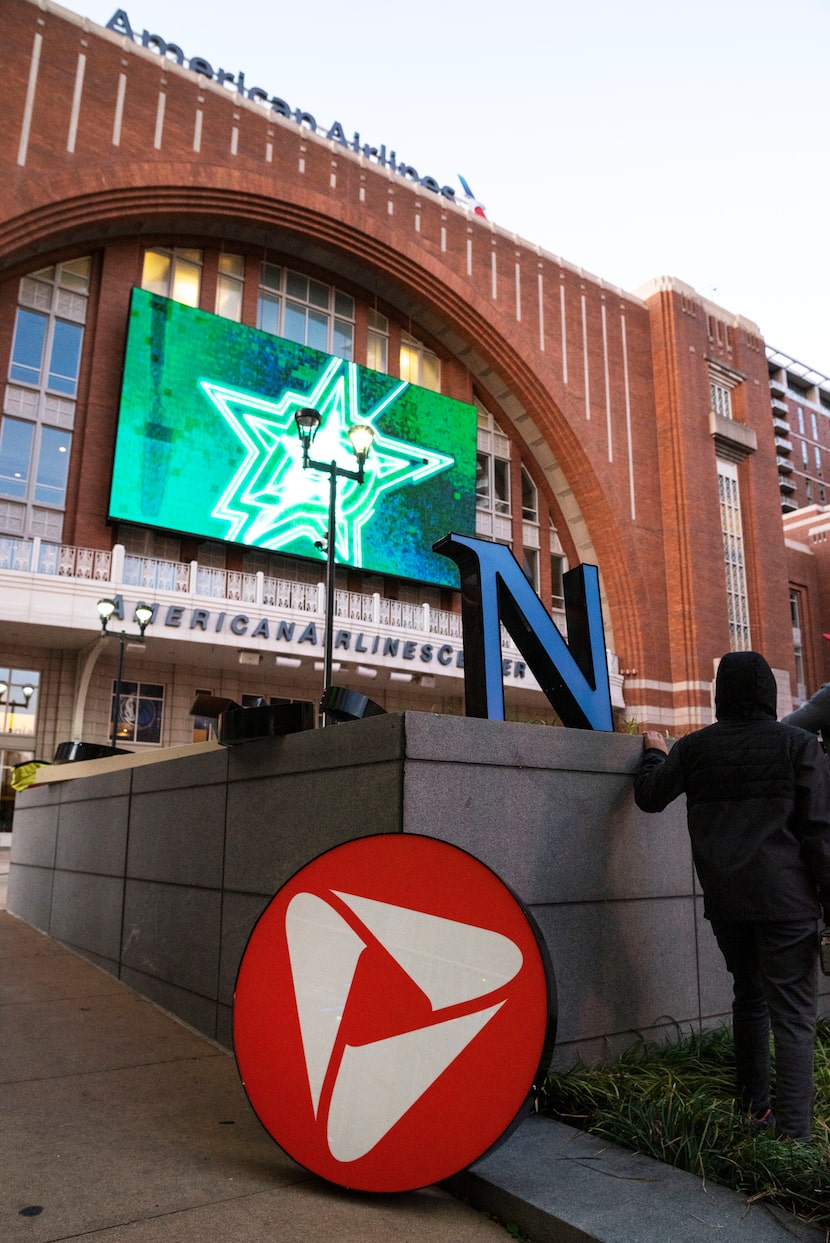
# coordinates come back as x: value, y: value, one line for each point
x: 119, y: 1124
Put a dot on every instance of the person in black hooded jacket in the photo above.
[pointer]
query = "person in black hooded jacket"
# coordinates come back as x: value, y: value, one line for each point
x: 758, y: 811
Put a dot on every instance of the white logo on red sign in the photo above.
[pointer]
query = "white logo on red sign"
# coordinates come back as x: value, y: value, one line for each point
x: 386, y: 1044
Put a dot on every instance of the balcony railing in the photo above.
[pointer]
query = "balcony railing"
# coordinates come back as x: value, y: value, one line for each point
x: 147, y: 575
x: 63, y: 560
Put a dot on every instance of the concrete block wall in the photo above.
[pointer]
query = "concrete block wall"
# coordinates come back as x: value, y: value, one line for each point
x: 158, y: 871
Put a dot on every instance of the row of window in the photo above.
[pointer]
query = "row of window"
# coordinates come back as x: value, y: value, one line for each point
x: 36, y: 432
x: 801, y: 422
x: 494, y: 513
x: 805, y: 456
x: 44, y: 368
x: 140, y: 709
x: 289, y: 305
x: 39, y: 406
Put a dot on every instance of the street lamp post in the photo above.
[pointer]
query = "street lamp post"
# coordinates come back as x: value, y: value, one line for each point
x: 142, y: 617
x: 361, y: 436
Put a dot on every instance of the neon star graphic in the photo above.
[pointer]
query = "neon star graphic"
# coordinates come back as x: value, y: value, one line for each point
x: 271, y: 502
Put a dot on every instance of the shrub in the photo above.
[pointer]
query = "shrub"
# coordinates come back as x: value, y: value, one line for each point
x: 676, y: 1103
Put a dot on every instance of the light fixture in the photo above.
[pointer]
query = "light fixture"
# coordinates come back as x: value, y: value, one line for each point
x: 106, y: 608
x: 143, y: 614
x: 235, y: 724
x: 308, y: 422
x: 27, y: 691
x: 360, y: 435
x: 341, y: 704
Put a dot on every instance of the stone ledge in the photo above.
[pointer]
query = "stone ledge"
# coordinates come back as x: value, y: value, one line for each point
x: 560, y: 1185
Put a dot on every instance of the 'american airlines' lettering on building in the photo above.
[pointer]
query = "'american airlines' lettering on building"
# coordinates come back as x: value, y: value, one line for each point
x: 280, y: 631
x: 120, y: 24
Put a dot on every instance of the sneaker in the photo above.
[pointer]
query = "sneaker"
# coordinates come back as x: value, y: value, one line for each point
x: 763, y: 1121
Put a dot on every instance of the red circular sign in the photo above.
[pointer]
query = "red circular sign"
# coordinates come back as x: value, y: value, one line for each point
x: 391, y: 1013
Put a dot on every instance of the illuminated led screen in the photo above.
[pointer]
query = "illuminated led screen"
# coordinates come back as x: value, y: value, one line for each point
x: 207, y: 445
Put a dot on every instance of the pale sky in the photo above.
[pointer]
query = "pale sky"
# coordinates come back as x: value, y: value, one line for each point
x: 633, y: 138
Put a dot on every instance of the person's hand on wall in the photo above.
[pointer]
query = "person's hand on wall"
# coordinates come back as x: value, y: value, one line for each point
x: 653, y: 740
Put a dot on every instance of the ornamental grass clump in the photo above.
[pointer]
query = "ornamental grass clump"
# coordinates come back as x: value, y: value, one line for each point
x: 675, y: 1103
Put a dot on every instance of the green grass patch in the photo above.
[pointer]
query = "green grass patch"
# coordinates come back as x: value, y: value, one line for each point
x: 676, y: 1103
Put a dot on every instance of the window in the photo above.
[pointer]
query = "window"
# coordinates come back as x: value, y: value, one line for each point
x: 140, y: 710
x: 798, y: 651
x: 46, y: 352
x: 492, y: 484
x: 202, y: 725
x: 800, y: 411
x: 531, y: 567
x: 377, y: 345
x: 8, y: 761
x: 44, y: 369
x: 230, y: 284
x: 558, y: 566
x: 16, y: 438
x: 733, y: 555
x: 493, y: 515
x: 530, y: 498
x: 818, y: 459
x: 557, y: 589
x: 804, y: 455
x: 175, y: 274
x: 300, y: 309
x: 141, y: 542
x: 52, y: 466
x: 18, y: 700
x: 269, y: 301
x: 815, y: 424
x: 721, y: 399
x: 419, y: 365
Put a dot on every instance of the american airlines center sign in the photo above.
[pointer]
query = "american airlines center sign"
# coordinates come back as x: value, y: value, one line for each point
x: 383, y: 156
x: 393, y: 1011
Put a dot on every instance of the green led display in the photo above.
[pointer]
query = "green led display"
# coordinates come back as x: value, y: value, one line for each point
x: 207, y: 445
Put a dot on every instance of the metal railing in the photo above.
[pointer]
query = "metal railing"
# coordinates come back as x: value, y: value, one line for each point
x: 120, y: 569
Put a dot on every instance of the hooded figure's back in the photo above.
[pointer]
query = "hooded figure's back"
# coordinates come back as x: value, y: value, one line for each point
x: 745, y: 688
x: 758, y: 800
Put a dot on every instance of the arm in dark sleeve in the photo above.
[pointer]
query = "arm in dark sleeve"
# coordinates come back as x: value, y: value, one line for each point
x: 815, y: 714
x: 660, y: 779
x: 812, y: 827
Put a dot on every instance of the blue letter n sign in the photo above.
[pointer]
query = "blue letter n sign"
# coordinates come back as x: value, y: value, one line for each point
x: 573, y: 675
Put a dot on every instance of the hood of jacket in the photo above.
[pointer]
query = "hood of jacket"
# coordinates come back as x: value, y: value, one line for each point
x: 745, y: 687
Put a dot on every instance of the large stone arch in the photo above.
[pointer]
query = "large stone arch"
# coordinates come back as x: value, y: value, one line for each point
x: 157, y: 197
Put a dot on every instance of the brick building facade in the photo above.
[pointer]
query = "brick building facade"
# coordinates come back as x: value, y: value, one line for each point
x: 630, y: 431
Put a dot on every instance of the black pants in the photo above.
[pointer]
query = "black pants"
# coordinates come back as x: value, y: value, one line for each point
x: 773, y: 967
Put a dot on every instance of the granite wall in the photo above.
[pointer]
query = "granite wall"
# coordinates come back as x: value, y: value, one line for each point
x: 158, y: 871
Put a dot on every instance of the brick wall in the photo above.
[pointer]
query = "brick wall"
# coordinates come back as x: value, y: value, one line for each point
x: 605, y: 393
